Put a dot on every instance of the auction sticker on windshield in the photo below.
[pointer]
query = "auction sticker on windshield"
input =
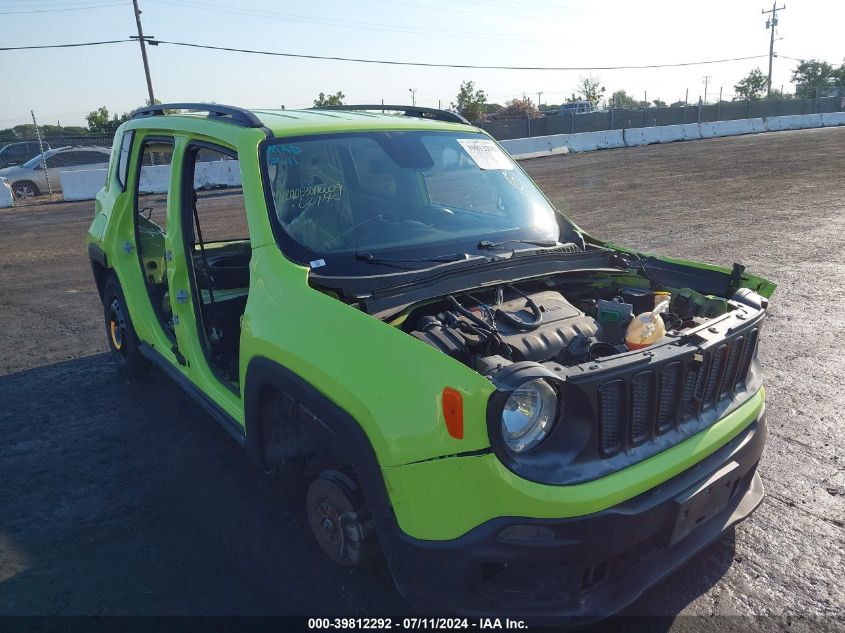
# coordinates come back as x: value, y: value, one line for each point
x: 485, y: 153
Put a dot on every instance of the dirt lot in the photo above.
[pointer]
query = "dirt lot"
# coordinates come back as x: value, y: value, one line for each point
x: 120, y: 498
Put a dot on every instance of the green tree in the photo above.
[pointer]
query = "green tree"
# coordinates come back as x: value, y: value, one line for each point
x: 752, y: 87
x: 329, y: 100
x: 660, y: 103
x: 520, y: 108
x: 471, y: 101
x: 589, y: 88
x: 813, y: 76
x: 621, y: 99
x: 99, y: 121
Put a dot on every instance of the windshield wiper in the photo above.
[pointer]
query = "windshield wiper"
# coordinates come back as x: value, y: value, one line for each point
x: 488, y: 244
x: 390, y: 261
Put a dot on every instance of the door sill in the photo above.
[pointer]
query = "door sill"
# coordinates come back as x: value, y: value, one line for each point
x: 229, y: 424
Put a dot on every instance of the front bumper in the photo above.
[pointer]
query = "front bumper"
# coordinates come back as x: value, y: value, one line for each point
x: 585, y: 567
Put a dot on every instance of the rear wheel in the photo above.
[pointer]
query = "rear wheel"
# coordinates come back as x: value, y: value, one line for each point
x: 339, y: 519
x: 24, y: 189
x: 123, y: 341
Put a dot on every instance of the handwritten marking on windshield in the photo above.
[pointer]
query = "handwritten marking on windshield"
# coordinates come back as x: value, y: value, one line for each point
x: 313, y: 195
x: 283, y: 154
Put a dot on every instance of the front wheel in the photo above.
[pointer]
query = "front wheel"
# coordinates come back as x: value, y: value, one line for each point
x: 339, y: 520
x: 123, y: 341
x: 25, y: 189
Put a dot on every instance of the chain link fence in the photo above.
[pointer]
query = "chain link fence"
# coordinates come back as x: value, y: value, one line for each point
x: 569, y: 122
x: 33, y: 167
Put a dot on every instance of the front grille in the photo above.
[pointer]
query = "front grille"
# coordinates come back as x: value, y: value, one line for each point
x: 654, y: 401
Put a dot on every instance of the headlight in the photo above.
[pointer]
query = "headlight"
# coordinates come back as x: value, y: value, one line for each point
x: 528, y: 415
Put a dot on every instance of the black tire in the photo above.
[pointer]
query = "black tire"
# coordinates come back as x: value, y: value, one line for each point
x: 339, y: 520
x: 25, y: 189
x: 123, y: 341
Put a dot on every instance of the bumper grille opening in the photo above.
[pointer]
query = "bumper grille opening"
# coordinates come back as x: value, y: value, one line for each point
x: 732, y: 366
x: 747, y: 356
x: 642, y: 406
x: 714, y: 378
x: 669, y: 396
x: 610, y: 415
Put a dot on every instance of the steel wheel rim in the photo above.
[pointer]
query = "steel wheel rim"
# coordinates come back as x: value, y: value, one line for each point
x: 117, y: 327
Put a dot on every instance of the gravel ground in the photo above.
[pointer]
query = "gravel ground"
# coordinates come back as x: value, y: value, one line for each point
x: 126, y: 498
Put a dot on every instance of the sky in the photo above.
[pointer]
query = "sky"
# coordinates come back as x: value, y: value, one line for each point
x: 63, y: 85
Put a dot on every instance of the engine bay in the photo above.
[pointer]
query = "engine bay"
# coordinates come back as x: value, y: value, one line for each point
x: 568, y: 323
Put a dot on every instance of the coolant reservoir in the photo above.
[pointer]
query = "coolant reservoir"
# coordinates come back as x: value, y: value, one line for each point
x: 647, y: 328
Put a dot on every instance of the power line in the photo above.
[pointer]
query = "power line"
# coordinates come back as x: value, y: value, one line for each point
x: 50, y: 4
x: 360, y: 60
x: 435, y: 65
x: 24, y: 48
x: 85, y: 8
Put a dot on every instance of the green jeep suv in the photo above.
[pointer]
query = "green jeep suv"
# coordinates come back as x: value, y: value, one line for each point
x: 379, y: 299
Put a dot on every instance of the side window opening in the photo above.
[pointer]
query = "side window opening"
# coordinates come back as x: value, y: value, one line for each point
x: 151, y: 197
x: 220, y: 252
x: 123, y: 159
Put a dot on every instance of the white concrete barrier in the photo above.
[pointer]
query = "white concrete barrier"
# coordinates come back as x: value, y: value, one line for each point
x: 590, y: 141
x: 521, y: 148
x: 6, y: 198
x: 217, y: 173
x: 661, y: 134
x: 793, y: 122
x: 154, y: 179
x: 833, y: 118
x: 536, y: 146
x: 82, y: 184
x: 732, y: 128
x: 207, y: 175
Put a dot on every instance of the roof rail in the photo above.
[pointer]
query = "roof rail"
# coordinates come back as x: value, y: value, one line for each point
x: 417, y: 111
x: 230, y: 114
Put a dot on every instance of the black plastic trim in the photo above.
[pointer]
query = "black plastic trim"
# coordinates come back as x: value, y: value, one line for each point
x: 448, y: 576
x: 229, y: 424
x: 350, y: 437
x: 415, y: 111
x: 97, y: 255
x: 226, y: 113
x: 575, y: 451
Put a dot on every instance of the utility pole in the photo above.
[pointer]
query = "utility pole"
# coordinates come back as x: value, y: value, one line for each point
x: 144, y: 51
x: 43, y: 158
x: 413, y: 92
x: 539, y: 99
x: 706, y: 81
x: 771, y: 23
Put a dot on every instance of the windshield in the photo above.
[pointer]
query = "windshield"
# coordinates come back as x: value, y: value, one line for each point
x: 32, y: 162
x: 415, y: 193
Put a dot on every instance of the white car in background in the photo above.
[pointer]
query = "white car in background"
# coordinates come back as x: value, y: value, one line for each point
x: 30, y: 180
